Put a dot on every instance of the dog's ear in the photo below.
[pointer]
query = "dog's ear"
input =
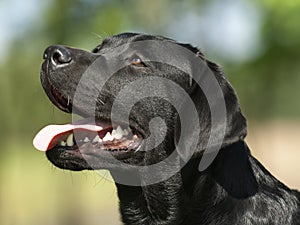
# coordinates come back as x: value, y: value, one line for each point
x: 220, y: 121
x: 232, y: 171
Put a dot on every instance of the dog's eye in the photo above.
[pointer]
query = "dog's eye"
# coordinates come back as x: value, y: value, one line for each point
x: 137, y: 61
x: 96, y: 50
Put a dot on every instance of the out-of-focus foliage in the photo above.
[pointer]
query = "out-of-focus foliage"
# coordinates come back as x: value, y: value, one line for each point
x: 269, y: 85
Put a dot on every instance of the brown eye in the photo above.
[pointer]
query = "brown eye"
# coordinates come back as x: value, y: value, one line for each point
x: 136, y: 61
x: 96, y: 50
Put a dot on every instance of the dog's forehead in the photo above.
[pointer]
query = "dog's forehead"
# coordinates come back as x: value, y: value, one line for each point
x: 115, y: 41
x: 124, y: 39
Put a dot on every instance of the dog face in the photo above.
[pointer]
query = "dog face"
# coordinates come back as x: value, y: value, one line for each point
x: 90, y: 83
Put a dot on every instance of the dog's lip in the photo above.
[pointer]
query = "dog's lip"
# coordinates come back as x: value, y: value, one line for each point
x: 56, y: 97
x: 86, y: 153
x: 64, y: 103
x: 93, y: 149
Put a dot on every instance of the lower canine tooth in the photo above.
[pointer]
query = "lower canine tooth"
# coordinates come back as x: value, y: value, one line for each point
x: 120, y: 131
x: 86, y: 139
x: 108, y: 137
x: 116, y: 134
x: 70, y: 140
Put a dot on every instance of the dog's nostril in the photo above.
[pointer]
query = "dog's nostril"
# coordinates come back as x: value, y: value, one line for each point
x: 59, y: 55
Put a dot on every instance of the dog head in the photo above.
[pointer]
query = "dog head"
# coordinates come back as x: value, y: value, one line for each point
x: 145, y: 95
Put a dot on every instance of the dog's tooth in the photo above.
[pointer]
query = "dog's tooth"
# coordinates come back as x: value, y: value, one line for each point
x: 62, y: 143
x: 70, y: 141
x: 108, y: 137
x: 97, y: 139
x: 86, y: 139
x: 121, y: 131
x: 118, y: 133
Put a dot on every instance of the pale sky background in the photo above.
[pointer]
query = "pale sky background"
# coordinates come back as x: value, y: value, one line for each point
x: 15, y: 17
x: 230, y: 28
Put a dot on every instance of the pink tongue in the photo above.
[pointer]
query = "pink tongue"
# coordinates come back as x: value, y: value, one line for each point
x: 44, y: 137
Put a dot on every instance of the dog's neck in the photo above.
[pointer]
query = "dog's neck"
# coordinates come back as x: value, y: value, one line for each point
x: 166, y: 203
x: 153, y: 204
x: 171, y: 201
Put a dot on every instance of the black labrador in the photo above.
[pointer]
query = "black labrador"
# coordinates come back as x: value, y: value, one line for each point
x: 234, y: 188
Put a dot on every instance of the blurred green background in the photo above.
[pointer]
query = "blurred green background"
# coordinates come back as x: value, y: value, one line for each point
x: 256, y: 42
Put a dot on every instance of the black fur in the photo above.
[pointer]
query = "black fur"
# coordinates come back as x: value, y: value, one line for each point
x: 234, y: 189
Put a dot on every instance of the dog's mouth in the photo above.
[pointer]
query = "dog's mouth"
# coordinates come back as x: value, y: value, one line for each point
x: 97, y: 136
x: 109, y: 139
x: 89, y: 136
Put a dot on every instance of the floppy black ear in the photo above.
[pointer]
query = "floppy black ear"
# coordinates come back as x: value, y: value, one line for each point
x: 212, y: 95
x: 232, y: 171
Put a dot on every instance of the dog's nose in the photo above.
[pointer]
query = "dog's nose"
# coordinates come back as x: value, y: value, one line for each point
x: 58, y: 55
